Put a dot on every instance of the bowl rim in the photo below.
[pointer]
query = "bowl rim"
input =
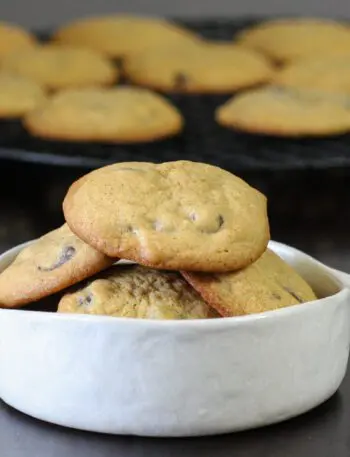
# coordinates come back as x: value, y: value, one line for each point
x: 221, y: 322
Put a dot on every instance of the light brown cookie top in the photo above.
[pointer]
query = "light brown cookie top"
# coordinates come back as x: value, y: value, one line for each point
x: 14, y: 38
x: 124, y: 115
x: 138, y: 292
x: 122, y: 34
x: 329, y: 74
x: 174, y: 215
x: 18, y: 95
x: 268, y: 284
x: 286, y: 40
x: 59, y: 67
x: 53, y: 262
x: 206, y: 67
x: 285, y: 112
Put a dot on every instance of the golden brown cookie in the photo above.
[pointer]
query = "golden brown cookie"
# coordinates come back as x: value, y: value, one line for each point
x: 50, y: 264
x: 329, y: 74
x: 206, y: 67
x: 285, y: 112
x: 137, y: 292
x: 174, y: 215
x: 121, y: 115
x: 18, y: 95
x: 286, y: 40
x: 268, y: 284
x: 59, y: 67
x: 13, y: 38
x: 122, y: 34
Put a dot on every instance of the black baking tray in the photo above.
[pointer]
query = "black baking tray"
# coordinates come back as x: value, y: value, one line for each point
x: 202, y: 139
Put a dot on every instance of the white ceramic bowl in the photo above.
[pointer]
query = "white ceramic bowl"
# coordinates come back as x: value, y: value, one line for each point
x: 178, y: 378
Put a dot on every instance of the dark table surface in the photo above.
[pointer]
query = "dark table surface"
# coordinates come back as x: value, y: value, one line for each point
x: 308, y: 210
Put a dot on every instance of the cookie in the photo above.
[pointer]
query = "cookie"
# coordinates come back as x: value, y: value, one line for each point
x: 329, y: 74
x: 121, y: 115
x: 123, y: 34
x: 268, y: 284
x: 58, y: 67
x: 18, y: 95
x: 57, y: 260
x: 13, y: 38
x: 174, y: 215
x: 137, y: 292
x: 285, y: 112
x: 286, y: 40
x: 203, y: 68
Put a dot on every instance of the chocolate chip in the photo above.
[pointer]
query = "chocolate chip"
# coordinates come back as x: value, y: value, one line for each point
x: 276, y: 296
x: 220, y: 220
x: 293, y: 294
x: 181, y: 81
x: 68, y: 252
x: 85, y: 301
x: 119, y: 63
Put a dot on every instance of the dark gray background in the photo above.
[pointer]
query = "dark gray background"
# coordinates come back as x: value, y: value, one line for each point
x: 39, y: 13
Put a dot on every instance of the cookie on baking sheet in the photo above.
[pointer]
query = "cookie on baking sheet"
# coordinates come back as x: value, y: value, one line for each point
x: 14, y: 38
x: 286, y: 40
x: 120, y: 115
x: 174, y: 215
x: 268, y: 284
x: 50, y: 264
x: 122, y: 34
x: 18, y: 95
x: 59, y: 67
x: 207, y: 67
x: 138, y: 292
x: 285, y: 112
x: 329, y: 74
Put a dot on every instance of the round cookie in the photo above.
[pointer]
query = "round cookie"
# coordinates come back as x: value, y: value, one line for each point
x: 137, y: 292
x: 203, y: 68
x: 329, y: 74
x: 268, y: 284
x: 285, y: 112
x: 124, y: 115
x: 286, y: 40
x: 59, y: 67
x: 123, y: 34
x: 13, y: 38
x: 174, y: 215
x: 18, y: 95
x: 53, y: 262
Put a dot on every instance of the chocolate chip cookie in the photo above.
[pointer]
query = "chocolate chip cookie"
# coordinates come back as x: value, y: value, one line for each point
x: 208, y: 67
x: 138, y: 292
x: 286, y: 112
x: 120, y: 115
x: 57, y: 260
x: 174, y: 215
x: 287, y: 40
x: 59, y: 67
x: 14, y: 38
x: 268, y: 284
x: 330, y: 74
x: 120, y: 35
x: 18, y: 95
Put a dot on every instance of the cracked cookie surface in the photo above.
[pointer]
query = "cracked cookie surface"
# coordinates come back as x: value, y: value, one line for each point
x: 137, y: 292
x: 53, y: 262
x: 268, y: 284
x: 174, y: 215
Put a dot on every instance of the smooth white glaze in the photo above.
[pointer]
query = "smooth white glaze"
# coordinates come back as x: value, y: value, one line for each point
x: 178, y: 378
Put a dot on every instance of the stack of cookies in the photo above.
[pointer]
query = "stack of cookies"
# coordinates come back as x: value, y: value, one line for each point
x: 195, y: 237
